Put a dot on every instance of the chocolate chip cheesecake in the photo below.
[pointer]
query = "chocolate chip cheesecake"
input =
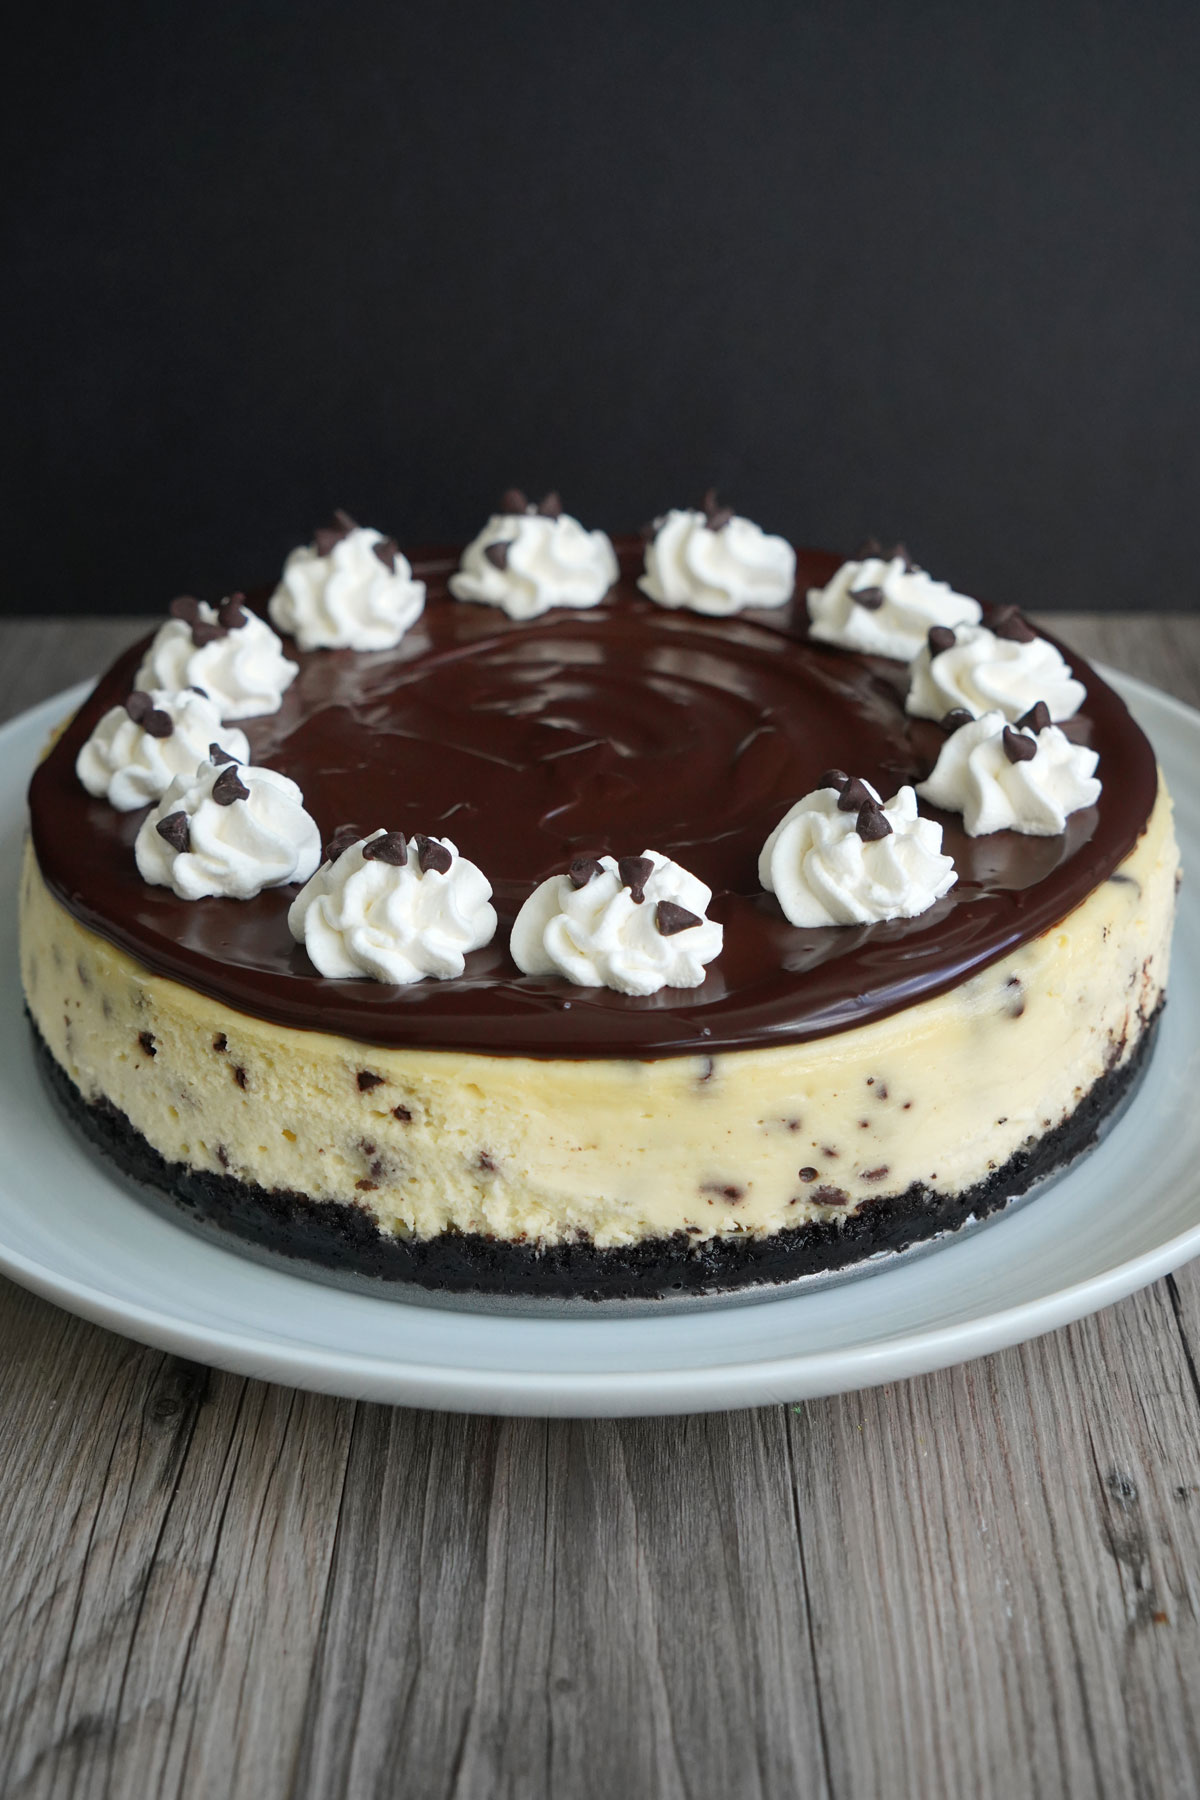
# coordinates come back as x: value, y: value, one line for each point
x: 587, y: 918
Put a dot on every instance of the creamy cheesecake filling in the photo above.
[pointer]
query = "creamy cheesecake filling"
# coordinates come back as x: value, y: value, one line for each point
x: 618, y: 1150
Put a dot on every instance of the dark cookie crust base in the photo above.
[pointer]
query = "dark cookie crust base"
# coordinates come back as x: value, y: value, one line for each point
x: 343, y: 1237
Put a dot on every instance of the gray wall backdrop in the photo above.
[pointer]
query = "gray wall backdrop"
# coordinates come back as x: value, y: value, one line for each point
x: 930, y: 271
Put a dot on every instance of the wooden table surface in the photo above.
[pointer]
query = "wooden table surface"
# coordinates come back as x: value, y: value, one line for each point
x: 984, y: 1582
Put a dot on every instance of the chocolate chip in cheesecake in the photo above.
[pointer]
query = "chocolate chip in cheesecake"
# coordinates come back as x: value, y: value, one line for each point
x: 940, y: 638
x: 635, y: 872
x: 402, y: 1114
x: 146, y: 1040
x: 855, y: 793
x: 231, y: 614
x: 497, y: 554
x: 390, y: 847
x: 367, y: 1079
x: 326, y: 536
x: 956, y: 718
x: 1008, y: 623
x: 175, y: 830
x: 228, y: 787
x: 670, y: 918
x: 1036, y: 719
x: 808, y: 1173
x: 1017, y: 746
x: 153, y: 721
x: 432, y: 856
x: 387, y: 550
x: 220, y: 1043
x: 241, y: 1078
x: 550, y: 506
x: 219, y: 756
x: 872, y: 823
x: 582, y: 870
x: 870, y: 598
x: 833, y: 778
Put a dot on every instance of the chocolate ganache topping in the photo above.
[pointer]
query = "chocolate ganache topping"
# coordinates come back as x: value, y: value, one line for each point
x: 539, y: 745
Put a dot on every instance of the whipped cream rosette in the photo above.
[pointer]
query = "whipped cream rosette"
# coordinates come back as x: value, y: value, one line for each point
x: 842, y: 856
x: 393, y: 908
x: 136, y: 750
x: 634, y: 924
x: 883, y: 604
x: 715, y: 562
x: 350, y: 589
x: 228, y: 651
x: 227, y: 829
x: 1004, y: 668
x: 530, y: 558
x: 1028, y: 778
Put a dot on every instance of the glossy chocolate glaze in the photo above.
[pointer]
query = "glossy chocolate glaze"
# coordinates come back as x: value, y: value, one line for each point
x: 619, y: 728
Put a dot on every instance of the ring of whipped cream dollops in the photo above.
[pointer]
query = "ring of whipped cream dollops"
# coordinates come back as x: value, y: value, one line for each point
x: 399, y: 909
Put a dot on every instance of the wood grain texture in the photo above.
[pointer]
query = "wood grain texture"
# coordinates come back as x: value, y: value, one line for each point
x: 984, y: 1582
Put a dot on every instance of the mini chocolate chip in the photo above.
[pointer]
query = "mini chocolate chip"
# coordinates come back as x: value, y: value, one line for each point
x: 157, y: 724
x: 326, y: 536
x: 239, y: 1075
x: 899, y: 553
x: 717, y: 521
x: 432, y: 856
x: 670, y: 919
x: 582, y: 870
x: 220, y: 1043
x: 1037, y: 718
x: 940, y: 638
x: 808, y: 1174
x: 870, y: 597
x: 231, y: 613
x: 203, y: 692
x: 856, y: 793
x: 387, y: 550
x: 497, y: 554
x: 390, y: 847
x: 340, y: 842
x: 367, y: 1079
x: 485, y: 1163
x: 137, y: 705
x: 1008, y: 623
x: 175, y: 830
x: 956, y: 718
x: 635, y: 872
x: 833, y: 778
x: 227, y: 787
x: 219, y: 756
x: 402, y: 1113
x: 723, y: 1191
x: 875, y: 1174
x: 1018, y: 747
x: 146, y: 1040
x: 514, y: 501
x: 186, y: 608
x: 550, y: 506
x: 367, y: 1187
x: 871, y: 823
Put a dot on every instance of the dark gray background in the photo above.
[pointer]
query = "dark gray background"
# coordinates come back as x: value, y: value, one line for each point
x: 924, y: 270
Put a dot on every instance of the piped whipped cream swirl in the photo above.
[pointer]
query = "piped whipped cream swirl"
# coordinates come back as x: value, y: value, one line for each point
x: 635, y: 925
x: 1005, y: 669
x: 228, y: 651
x: 714, y: 562
x: 884, y: 605
x: 529, y: 558
x: 842, y: 856
x: 136, y: 750
x: 1028, y: 777
x: 351, y: 589
x: 394, y: 909
x: 227, y: 829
